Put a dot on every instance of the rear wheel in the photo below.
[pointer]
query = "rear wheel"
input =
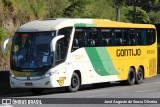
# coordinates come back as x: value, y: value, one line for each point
x: 139, y: 76
x: 131, y: 77
x: 75, y: 83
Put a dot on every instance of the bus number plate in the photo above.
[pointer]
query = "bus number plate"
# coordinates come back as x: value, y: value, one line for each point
x: 28, y: 84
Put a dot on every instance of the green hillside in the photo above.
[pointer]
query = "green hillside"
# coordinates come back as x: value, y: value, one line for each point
x: 14, y: 13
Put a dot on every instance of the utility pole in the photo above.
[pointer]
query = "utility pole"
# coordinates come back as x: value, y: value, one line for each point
x: 134, y: 11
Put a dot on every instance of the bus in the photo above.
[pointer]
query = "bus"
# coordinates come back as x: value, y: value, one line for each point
x: 70, y: 52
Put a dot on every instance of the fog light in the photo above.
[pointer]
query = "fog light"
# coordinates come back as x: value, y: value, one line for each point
x: 46, y: 83
x: 12, y: 83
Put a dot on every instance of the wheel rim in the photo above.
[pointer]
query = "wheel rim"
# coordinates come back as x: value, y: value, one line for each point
x: 74, y: 82
x: 140, y: 75
x: 131, y: 77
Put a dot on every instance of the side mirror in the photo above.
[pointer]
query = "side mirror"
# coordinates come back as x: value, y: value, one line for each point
x: 3, y: 48
x: 54, y: 41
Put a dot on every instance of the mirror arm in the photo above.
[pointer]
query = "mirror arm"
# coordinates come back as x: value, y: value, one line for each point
x: 53, y: 42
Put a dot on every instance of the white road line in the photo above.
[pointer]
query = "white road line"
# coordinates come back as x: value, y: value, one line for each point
x: 147, y: 91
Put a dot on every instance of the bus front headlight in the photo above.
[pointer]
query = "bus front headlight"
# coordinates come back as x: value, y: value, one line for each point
x: 48, y: 74
x: 11, y: 74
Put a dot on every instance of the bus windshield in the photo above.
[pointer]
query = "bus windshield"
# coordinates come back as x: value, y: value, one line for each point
x: 32, y: 50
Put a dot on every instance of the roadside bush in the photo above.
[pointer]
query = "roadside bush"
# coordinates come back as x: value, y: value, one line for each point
x: 2, y: 35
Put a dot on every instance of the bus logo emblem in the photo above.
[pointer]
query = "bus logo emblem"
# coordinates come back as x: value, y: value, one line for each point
x: 28, y: 78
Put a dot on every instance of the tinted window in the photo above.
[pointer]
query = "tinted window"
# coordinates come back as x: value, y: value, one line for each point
x: 132, y: 37
x: 79, y: 39
x: 93, y: 37
x: 150, y: 37
x: 118, y: 37
x: 125, y: 37
x: 107, y: 39
x: 62, y: 45
x: 139, y: 37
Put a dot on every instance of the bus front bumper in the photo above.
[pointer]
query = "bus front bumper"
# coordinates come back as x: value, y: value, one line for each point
x: 36, y: 82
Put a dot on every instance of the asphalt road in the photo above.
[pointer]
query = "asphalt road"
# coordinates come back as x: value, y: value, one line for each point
x: 150, y: 88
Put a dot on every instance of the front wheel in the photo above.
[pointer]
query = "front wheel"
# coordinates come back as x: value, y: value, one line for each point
x: 75, y: 83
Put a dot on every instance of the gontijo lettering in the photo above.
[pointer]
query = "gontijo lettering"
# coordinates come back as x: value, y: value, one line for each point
x: 128, y: 52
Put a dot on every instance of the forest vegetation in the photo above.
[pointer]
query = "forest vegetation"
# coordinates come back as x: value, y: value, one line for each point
x: 14, y: 13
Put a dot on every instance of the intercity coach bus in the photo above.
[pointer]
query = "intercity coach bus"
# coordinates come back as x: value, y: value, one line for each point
x: 71, y: 52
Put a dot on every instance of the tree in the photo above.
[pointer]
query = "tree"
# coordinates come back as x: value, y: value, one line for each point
x: 103, y: 9
x: 154, y: 17
x: 76, y: 8
x: 141, y: 15
x: 55, y: 8
x: 118, y: 4
x: 38, y: 7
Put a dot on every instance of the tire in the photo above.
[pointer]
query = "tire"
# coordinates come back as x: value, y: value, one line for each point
x: 36, y: 91
x: 131, y: 77
x: 139, y: 76
x: 75, y: 83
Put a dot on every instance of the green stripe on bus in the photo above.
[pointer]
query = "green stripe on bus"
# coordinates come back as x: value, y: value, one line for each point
x: 96, y: 61
x: 84, y: 25
x: 101, y: 61
x: 106, y: 60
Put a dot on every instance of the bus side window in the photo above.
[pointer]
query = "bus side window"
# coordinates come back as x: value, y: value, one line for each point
x: 79, y: 39
x: 125, y: 37
x: 118, y: 37
x: 62, y: 44
x: 150, y: 37
x: 93, y: 37
x: 60, y: 52
x: 66, y: 32
x: 106, y: 35
x: 144, y: 42
x: 132, y: 39
x: 139, y: 37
